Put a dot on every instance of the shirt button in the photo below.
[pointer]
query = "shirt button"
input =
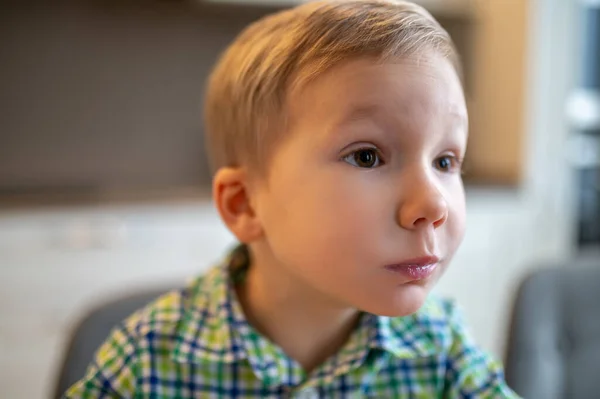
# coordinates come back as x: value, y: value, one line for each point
x: 307, y: 393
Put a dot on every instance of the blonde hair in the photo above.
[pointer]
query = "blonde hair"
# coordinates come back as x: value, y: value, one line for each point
x: 245, y: 99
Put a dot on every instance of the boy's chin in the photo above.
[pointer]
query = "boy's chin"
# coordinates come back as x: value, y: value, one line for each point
x: 404, y: 302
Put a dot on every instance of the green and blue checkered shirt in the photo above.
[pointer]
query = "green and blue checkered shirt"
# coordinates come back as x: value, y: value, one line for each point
x: 196, y: 343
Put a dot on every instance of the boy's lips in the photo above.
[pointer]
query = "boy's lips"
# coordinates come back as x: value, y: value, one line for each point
x: 415, y: 269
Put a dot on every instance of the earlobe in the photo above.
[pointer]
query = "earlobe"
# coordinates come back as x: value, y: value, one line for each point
x: 232, y: 199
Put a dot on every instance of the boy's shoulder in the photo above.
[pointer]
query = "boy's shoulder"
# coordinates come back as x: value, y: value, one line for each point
x: 178, y: 328
x: 167, y: 311
x: 185, y: 323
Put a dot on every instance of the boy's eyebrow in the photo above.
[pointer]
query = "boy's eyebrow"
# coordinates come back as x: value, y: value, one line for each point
x: 358, y: 112
x: 361, y: 111
x: 460, y: 119
x: 355, y: 113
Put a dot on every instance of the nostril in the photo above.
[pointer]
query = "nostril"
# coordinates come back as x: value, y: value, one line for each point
x: 440, y: 221
x: 419, y: 222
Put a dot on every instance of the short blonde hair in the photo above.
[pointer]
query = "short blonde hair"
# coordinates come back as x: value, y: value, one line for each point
x: 245, y: 99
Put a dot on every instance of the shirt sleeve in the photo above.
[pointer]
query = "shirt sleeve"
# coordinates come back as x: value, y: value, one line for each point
x: 112, y: 374
x: 471, y: 372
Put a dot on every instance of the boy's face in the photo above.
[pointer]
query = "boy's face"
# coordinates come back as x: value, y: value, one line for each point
x: 365, y: 192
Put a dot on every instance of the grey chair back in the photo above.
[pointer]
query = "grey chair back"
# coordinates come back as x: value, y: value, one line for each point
x: 91, y: 332
x: 554, y: 343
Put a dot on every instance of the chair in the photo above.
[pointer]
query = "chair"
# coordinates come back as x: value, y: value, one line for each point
x: 91, y: 332
x: 554, y: 342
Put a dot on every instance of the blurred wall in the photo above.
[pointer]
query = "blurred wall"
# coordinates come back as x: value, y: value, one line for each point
x: 103, y: 95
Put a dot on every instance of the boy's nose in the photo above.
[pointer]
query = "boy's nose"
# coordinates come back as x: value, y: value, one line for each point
x: 423, y: 206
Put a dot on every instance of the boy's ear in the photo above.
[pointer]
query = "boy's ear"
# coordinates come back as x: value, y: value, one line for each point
x: 231, y: 196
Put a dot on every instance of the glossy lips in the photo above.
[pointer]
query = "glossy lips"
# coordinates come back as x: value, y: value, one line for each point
x: 415, y: 269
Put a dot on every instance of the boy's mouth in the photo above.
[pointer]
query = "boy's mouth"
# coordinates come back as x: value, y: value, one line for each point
x: 415, y: 269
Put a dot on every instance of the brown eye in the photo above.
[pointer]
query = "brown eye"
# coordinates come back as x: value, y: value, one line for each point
x: 364, y: 158
x: 447, y: 163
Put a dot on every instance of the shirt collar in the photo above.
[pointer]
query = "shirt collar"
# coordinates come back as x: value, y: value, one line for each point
x: 214, y: 329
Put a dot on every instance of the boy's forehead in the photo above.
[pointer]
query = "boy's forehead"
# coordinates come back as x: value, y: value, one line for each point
x: 362, y: 89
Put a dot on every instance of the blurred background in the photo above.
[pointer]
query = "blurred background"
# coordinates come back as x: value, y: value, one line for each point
x: 104, y: 187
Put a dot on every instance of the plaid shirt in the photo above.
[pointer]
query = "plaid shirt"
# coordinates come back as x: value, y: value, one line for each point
x: 196, y: 343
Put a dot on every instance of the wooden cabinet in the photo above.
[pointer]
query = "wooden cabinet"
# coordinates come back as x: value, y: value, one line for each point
x: 498, y: 97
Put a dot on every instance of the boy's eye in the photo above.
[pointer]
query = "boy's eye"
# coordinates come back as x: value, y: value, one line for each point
x: 364, y: 158
x: 447, y: 163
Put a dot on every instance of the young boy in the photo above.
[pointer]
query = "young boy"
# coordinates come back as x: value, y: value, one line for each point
x: 336, y: 130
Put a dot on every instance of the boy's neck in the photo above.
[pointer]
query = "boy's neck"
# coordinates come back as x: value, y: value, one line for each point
x: 308, y: 326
